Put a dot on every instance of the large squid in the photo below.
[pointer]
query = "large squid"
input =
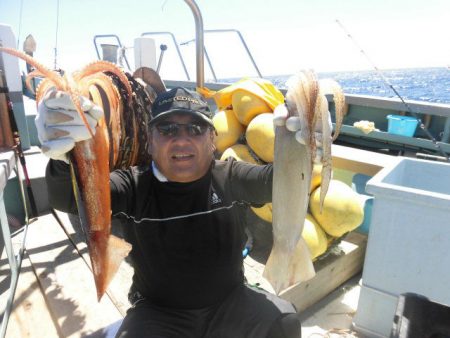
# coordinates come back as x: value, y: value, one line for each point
x: 90, y: 160
x: 290, y: 261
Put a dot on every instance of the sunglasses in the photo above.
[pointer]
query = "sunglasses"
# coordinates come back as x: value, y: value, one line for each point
x: 172, y: 129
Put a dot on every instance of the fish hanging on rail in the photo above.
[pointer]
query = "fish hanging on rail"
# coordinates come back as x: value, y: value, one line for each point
x: 90, y: 159
x: 290, y: 262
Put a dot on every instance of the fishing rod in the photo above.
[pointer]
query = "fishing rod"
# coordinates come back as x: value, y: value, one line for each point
x: 17, y: 145
x: 386, y: 81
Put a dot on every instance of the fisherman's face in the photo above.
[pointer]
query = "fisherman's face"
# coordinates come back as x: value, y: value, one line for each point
x: 182, y: 153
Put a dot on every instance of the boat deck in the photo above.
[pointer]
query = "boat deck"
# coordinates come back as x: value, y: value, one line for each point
x: 56, y: 296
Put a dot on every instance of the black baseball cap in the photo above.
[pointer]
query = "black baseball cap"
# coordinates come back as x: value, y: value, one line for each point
x: 180, y: 100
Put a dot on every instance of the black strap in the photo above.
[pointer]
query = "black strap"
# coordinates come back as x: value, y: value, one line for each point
x: 4, y: 90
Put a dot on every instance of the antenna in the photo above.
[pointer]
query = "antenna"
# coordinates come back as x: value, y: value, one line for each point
x: 20, y: 22
x: 408, y: 108
x: 56, y: 35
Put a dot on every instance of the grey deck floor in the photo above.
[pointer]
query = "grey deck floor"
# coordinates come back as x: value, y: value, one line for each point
x: 56, y: 294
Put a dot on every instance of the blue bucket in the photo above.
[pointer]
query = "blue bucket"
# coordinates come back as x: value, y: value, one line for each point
x: 402, y: 125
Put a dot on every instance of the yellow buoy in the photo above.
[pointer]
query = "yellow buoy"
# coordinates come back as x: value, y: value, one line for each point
x: 342, y: 209
x: 312, y: 233
x: 246, y: 106
x: 240, y: 152
x: 228, y: 129
x: 265, y: 212
x: 261, y: 136
x: 315, y: 237
x: 316, y: 177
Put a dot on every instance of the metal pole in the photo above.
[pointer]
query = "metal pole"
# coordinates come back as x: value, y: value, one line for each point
x: 199, y: 44
x: 12, y: 263
x: 163, y: 49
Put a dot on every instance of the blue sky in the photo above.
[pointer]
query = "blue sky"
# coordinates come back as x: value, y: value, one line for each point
x: 284, y: 35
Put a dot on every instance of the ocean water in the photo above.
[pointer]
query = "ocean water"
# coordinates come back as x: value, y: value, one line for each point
x: 422, y: 84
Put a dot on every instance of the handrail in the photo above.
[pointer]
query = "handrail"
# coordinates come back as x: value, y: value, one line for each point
x: 243, y: 43
x: 210, y: 65
x: 176, y: 46
x: 199, y: 42
x: 10, y: 161
x: 110, y: 36
x: 208, y: 60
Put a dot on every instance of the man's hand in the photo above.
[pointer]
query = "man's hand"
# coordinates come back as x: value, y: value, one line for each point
x: 59, y: 126
x: 294, y: 124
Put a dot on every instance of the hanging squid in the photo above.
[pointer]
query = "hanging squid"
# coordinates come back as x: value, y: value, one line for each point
x: 113, y: 144
x: 290, y: 262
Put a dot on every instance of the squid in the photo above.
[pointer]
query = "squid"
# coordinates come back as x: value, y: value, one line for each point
x: 90, y: 160
x: 290, y: 261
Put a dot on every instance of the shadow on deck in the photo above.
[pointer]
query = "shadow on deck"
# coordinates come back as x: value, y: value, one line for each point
x: 56, y: 296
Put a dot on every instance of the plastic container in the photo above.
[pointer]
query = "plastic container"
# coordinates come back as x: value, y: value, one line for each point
x: 408, y: 243
x: 145, y: 52
x: 418, y: 317
x: 402, y: 125
x: 109, y: 52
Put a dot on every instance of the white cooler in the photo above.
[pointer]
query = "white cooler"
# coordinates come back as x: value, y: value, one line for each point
x: 408, y: 246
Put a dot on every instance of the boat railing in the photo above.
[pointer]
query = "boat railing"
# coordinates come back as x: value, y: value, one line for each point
x: 200, y: 52
x: 435, y: 116
x: 176, y: 44
x: 178, y: 51
x: 9, y: 163
x: 244, y: 44
x: 207, y: 57
x: 119, y: 44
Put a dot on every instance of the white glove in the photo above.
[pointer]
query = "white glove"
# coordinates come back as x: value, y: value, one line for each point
x: 294, y: 124
x: 59, y: 126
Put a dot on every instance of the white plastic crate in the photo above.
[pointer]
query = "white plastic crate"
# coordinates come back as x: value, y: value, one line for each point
x: 408, y: 246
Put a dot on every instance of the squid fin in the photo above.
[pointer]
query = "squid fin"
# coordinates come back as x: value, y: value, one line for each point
x: 116, y: 251
x: 284, y: 269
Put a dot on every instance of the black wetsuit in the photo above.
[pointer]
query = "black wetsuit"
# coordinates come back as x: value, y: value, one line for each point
x: 188, y: 278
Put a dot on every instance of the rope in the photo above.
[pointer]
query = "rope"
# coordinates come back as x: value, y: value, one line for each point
x: 343, y: 333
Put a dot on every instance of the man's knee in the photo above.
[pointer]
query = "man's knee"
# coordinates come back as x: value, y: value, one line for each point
x: 286, y: 326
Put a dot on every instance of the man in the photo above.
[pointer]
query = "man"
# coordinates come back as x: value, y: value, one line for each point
x: 184, y: 216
